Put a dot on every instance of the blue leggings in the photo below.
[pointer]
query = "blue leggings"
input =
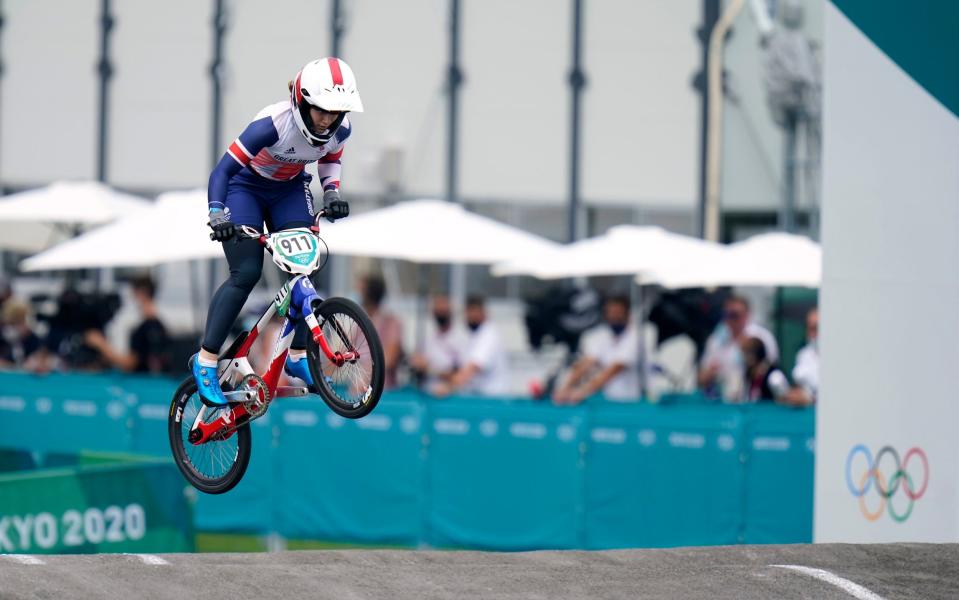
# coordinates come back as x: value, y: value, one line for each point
x: 253, y: 201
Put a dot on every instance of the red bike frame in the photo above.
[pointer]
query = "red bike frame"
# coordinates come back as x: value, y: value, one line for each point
x: 235, y: 366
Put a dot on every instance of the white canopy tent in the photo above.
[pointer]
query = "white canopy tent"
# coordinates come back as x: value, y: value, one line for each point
x: 173, y: 229
x: 39, y: 218
x: 623, y: 250
x: 430, y: 231
x: 769, y: 259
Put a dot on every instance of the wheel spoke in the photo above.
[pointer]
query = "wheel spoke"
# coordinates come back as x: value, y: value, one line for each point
x: 347, y: 383
x: 213, y: 459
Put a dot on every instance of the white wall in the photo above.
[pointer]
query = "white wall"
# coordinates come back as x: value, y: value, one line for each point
x: 160, y: 94
x: 640, y: 113
x: 48, y: 110
x: 515, y: 99
x: 889, y: 295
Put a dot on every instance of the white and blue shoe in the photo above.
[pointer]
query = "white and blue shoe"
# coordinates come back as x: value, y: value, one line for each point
x: 207, y: 384
x: 300, y: 369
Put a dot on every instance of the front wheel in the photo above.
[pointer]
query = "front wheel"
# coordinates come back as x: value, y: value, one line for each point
x: 215, y: 466
x: 353, y: 388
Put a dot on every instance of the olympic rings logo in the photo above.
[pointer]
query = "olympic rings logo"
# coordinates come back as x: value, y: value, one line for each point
x: 887, y: 487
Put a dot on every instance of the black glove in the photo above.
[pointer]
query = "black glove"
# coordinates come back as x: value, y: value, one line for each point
x: 221, y: 225
x: 333, y: 207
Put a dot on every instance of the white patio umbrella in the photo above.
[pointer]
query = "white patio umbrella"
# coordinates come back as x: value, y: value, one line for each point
x: 769, y: 259
x: 623, y: 250
x: 173, y: 229
x: 430, y: 231
x: 37, y: 219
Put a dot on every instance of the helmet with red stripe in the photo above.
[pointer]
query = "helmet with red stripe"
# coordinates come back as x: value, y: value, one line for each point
x: 327, y: 84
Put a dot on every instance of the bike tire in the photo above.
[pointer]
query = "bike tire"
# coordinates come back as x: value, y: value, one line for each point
x: 178, y: 444
x: 333, y: 311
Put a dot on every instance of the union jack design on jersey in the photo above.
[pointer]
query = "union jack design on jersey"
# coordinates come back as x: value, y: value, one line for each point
x: 283, y: 152
x: 273, y: 148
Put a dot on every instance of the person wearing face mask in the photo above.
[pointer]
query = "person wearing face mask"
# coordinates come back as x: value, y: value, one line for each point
x: 609, y: 360
x: 442, y: 353
x: 485, y: 370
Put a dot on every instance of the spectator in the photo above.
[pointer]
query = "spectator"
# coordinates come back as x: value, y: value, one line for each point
x: 443, y: 351
x: 806, y: 370
x: 721, y: 370
x: 19, y: 346
x: 763, y: 379
x: 609, y: 360
x: 485, y: 371
x: 148, y: 341
x: 387, y: 324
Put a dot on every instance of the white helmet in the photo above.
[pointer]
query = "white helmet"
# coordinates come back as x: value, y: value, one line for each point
x: 329, y: 84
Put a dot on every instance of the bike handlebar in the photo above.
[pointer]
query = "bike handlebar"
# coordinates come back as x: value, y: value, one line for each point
x: 245, y: 231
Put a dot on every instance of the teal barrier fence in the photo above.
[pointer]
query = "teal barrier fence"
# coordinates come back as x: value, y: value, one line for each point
x: 466, y: 472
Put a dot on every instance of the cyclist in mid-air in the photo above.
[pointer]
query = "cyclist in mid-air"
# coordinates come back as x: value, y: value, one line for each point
x: 262, y: 179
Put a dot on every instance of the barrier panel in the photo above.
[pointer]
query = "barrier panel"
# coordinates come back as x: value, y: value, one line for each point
x: 462, y: 472
x: 778, y: 490
x: 664, y: 476
x: 504, y: 475
x: 345, y: 479
x: 134, y: 507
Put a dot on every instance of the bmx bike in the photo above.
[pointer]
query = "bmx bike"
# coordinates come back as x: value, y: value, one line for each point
x: 212, y: 446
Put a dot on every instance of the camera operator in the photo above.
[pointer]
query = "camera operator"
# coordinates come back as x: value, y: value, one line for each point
x: 149, y: 341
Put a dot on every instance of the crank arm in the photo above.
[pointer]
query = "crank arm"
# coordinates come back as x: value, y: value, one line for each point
x: 287, y: 391
x: 241, y: 396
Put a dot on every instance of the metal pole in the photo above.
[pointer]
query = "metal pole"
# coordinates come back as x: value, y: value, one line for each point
x: 787, y: 210
x: 710, y: 16
x: 457, y: 277
x: 216, y: 78
x: 337, y: 28
x: 105, y: 70
x: 454, y: 80
x: 577, y: 81
x: 715, y: 107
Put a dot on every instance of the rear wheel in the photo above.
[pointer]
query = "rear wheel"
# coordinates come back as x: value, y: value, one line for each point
x: 215, y: 466
x: 353, y: 388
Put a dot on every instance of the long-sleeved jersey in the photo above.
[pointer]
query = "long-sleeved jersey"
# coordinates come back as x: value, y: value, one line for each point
x: 273, y: 148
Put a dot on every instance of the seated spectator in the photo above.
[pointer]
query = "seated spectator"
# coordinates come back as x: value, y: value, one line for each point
x: 443, y: 351
x: 387, y: 324
x: 609, y: 361
x: 806, y: 370
x: 721, y: 367
x: 20, y: 347
x: 763, y: 379
x: 485, y: 370
x: 148, y: 341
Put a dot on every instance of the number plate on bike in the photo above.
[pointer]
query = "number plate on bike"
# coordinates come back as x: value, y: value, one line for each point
x: 297, y: 249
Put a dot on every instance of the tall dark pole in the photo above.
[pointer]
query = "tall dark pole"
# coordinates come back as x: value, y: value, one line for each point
x: 105, y: 70
x: 454, y: 80
x: 457, y: 274
x: 216, y: 78
x: 577, y: 81
x: 710, y: 16
x: 337, y: 27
